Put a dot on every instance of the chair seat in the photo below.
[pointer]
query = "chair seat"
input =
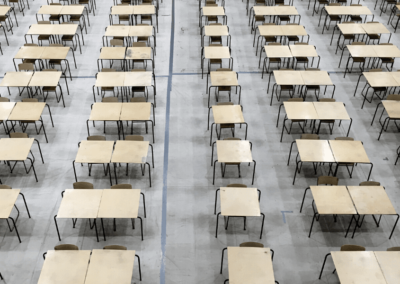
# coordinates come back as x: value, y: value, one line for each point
x: 275, y: 60
x: 379, y: 89
x: 302, y: 59
x: 284, y: 18
x: 139, y: 100
x: 54, y: 18
x: 349, y: 37
x: 209, y: 18
x: 67, y: 38
x: 43, y: 37
x: 374, y: 36
x: 107, y: 89
x: 293, y: 38
x: 312, y: 87
x: 358, y: 59
x: 138, y: 89
x: 74, y: 18
x: 287, y: 87
x: 224, y: 89
x: 227, y: 125
x: 3, y: 18
x: 327, y: 121
x: 124, y: 17
x: 29, y: 61
x: 356, y: 19
x: 49, y: 89
x: 387, y: 59
x: 55, y: 61
x: 216, y: 61
x: 323, y: 2
x: 216, y: 39
x: 335, y: 18
x: 270, y: 39
x: 260, y: 18
x: 142, y: 38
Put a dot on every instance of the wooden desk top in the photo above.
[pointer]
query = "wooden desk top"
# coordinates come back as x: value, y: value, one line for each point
x: 216, y: 31
x: 381, y: 79
x: 119, y: 203
x: 5, y: 109
x: 233, y: 151
x: 135, y: 111
x: 320, y: 78
x: 144, y: 10
x: 375, y: 28
x: 4, y: 10
x: 45, y: 79
x: 213, y: 11
x: 27, y: 111
x: 276, y: 51
x: 70, y: 29
x: 389, y: 264
x: 80, y: 203
x: 138, y: 53
x: 118, y: 31
x: 16, y: 79
x: 250, y: 265
x: 303, y: 50
x: 55, y: 52
x: 333, y: 200
x: 396, y: 76
x: 357, y: 267
x: 36, y: 29
x: 122, y: 10
x: 371, y: 200
x: 138, y: 79
x: 264, y: 10
x: 314, y: 151
x: 238, y: 201
x: 29, y: 52
x: 288, y: 77
x: 15, y: 149
x: 331, y: 110
x: 94, y: 152
x: 286, y: 11
x: 110, y: 53
x: 300, y: 110
x: 65, y: 267
x: 50, y: 10
x: 110, y: 266
x: 141, y: 31
x: 268, y: 30
x: 392, y: 108
x: 348, y: 151
x: 217, y: 52
x: 293, y: 30
x: 227, y: 114
x: 348, y: 29
x: 361, y: 50
x: 224, y: 78
x: 134, y: 152
x: 348, y: 10
x: 110, y: 79
x: 72, y: 10
x: 105, y: 112
x: 386, y: 50
x: 7, y: 201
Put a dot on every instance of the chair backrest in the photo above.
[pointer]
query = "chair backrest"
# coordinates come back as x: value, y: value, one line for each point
x: 108, y: 70
x: 56, y: 45
x: 215, y: 24
x: 215, y: 44
x: 355, y: 5
x: 18, y: 135
x: 237, y: 185
x: 269, y: 24
x: 116, y: 42
x: 394, y: 249
x: 50, y: 70
x: 327, y: 100
x: 372, y: 22
x: 223, y: 70
x: 134, y: 138
x: 3, y: 186
x: 44, y: 23
x: 67, y: 23
x: 4, y: 100
x: 225, y: 104
x: 350, y: 22
x: 313, y: 69
x: 286, y: 69
x: 138, y: 100
x: 82, y: 185
x: 352, y: 248
x: 109, y: 100
x: 26, y: 67
x: 30, y: 44
x: 139, y: 44
x: 66, y: 247
x: 138, y: 70
x: 55, y: 4
x: 115, y: 247
x: 386, y: 43
x: 309, y: 136
x: 30, y: 100
x: 358, y: 43
x: 393, y: 97
x: 295, y: 100
x: 251, y: 245
x: 370, y: 183
x: 345, y: 138
x: 96, y: 138
x: 274, y: 43
x: 232, y: 138
x: 327, y: 180
x: 334, y: 4
x: 300, y: 43
x: 143, y: 25
x: 375, y: 70
x: 122, y: 186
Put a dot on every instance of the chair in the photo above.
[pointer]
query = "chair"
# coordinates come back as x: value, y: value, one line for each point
x: 283, y: 18
x: 327, y: 180
x: 139, y: 44
x: 355, y: 18
x: 10, y: 25
x: 83, y: 185
x: 320, y: 2
x: 20, y: 3
x: 69, y: 38
x: 369, y: 183
x: 97, y: 138
x: 230, y: 126
x: 47, y: 89
x: 330, y: 121
x: 373, y: 37
x: 77, y: 18
x: 41, y: 38
x: 346, y: 164
x: 28, y: 67
x: 268, y: 39
x: 350, y: 37
x: 387, y: 60
x: 55, y: 18
x: 393, y: 249
x: 90, y: 5
x: 121, y: 186
x: 108, y: 89
x: 210, y: 18
x: 231, y: 164
x: 214, y: 61
x: 140, y: 89
x: 277, y: 61
x: 360, y: 60
x: 302, y: 60
x: 24, y: 127
x: 315, y: 88
x: 115, y: 247
x: 376, y: 91
x: 223, y: 88
x: 299, y: 121
x: 332, y: 18
x: 145, y: 39
x: 58, y: 62
x: 149, y: 18
x: 293, y: 38
x: 287, y: 88
x: 66, y: 247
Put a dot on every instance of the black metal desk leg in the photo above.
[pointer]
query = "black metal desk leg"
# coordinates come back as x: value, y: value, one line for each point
x: 58, y: 232
x: 216, y: 229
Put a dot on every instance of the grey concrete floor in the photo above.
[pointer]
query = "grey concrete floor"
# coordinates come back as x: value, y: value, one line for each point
x: 192, y: 253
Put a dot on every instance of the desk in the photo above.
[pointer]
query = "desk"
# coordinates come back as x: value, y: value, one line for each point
x: 5, y: 111
x: 239, y: 202
x: 250, y: 265
x: 121, y: 203
x: 273, y: 11
x: 8, y: 197
x: 65, y: 266
x: 232, y: 152
x: 139, y: 54
x: 215, y: 52
x: 149, y: 10
x: 304, y: 51
x: 105, y: 112
x: 111, y: 53
x: 108, y: 266
x: 349, y: 152
x: 345, y: 11
x: 226, y: 114
x: 216, y: 31
x: 212, y: 11
x: 393, y: 111
x: 94, y: 152
x: 388, y: 263
x: 5, y: 11
x: 137, y: 112
x: 131, y: 152
x: 223, y: 79
x: 81, y: 203
x: 48, y: 79
x: 27, y: 112
x: 16, y: 79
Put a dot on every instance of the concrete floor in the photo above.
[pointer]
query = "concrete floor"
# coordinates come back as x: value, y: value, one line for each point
x: 182, y: 181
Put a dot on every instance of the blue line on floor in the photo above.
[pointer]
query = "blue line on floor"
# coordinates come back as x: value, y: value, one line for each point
x: 166, y: 149
x: 283, y: 215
